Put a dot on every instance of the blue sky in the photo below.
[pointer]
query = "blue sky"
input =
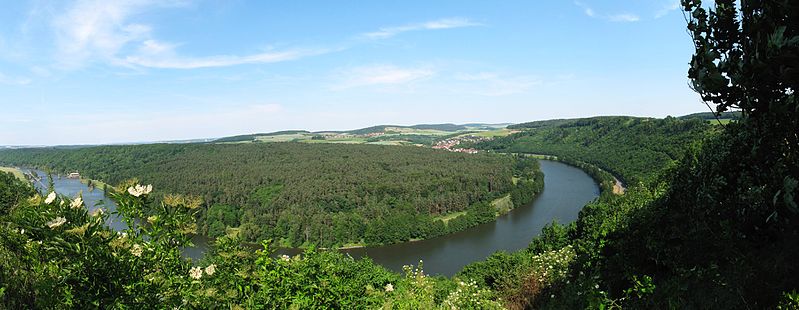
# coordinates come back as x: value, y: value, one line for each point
x: 138, y: 70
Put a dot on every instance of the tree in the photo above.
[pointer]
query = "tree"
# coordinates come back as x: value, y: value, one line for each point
x: 747, y: 58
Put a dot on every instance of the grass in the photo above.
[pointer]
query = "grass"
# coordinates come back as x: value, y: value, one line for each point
x: 493, y: 133
x: 283, y: 138
x: 448, y: 217
x: 724, y: 121
x: 16, y: 172
x: 503, y: 204
x: 97, y: 184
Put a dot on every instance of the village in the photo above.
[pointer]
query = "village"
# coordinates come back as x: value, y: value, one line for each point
x: 452, y: 143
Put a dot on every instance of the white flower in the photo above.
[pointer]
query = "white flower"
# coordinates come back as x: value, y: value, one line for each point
x: 77, y: 203
x: 285, y: 257
x: 210, y: 269
x: 196, y: 273
x: 50, y: 198
x: 56, y: 222
x: 136, y: 250
x: 139, y: 190
x: 97, y: 212
x: 596, y: 286
x: 389, y: 287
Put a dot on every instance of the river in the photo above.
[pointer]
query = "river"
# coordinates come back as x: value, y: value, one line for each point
x: 567, y: 189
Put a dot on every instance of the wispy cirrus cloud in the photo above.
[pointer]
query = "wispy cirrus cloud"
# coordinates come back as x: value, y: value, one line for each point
x: 444, y: 23
x: 104, y: 31
x: 621, y: 17
x: 155, y: 54
x: 494, y: 84
x: 9, y: 80
x: 626, y: 17
x: 380, y: 75
x: 91, y: 30
x: 665, y: 10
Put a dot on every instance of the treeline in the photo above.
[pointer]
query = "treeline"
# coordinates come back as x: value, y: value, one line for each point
x: 297, y: 193
x: 634, y: 149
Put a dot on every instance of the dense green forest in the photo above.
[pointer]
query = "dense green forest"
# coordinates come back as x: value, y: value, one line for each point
x: 634, y: 149
x: 307, y: 193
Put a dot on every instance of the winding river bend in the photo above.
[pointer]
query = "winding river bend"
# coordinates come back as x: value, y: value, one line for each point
x: 567, y: 189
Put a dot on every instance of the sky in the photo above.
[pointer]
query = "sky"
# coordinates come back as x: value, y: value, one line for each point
x: 92, y: 72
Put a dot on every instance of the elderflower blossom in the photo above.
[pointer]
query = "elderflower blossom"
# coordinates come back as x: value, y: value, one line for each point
x: 139, y: 190
x: 97, y: 212
x: 136, y: 250
x: 77, y: 203
x: 210, y: 269
x: 50, y: 198
x: 196, y: 273
x: 389, y: 287
x: 56, y: 222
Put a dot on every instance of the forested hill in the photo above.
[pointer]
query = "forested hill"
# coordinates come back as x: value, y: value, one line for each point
x: 303, y: 193
x: 632, y: 148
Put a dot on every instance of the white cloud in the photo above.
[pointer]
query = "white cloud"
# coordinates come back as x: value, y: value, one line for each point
x: 674, y: 5
x: 482, y: 76
x: 623, y: 17
x: 494, y: 85
x: 626, y: 17
x: 445, y: 23
x: 587, y: 10
x: 172, y: 61
x: 9, y: 80
x: 92, y: 30
x: 380, y: 75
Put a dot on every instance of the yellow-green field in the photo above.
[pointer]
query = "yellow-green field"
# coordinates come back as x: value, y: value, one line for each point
x: 389, y: 136
x: 503, y: 204
x: 494, y: 133
x: 16, y: 172
x: 448, y: 217
x: 97, y: 184
x: 724, y: 121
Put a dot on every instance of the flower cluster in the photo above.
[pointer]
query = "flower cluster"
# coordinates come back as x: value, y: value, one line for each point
x: 553, y: 265
x: 136, y: 250
x: 50, y: 198
x: 138, y: 190
x: 56, y: 222
x: 197, y: 272
x: 77, y: 203
x: 469, y: 296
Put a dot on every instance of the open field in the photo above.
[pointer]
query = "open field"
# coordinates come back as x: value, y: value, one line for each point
x: 503, y: 204
x: 379, y: 135
x: 16, y: 172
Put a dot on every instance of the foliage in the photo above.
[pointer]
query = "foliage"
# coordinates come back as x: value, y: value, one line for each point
x: 55, y: 254
x: 323, y: 194
x: 13, y: 191
x: 633, y: 149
